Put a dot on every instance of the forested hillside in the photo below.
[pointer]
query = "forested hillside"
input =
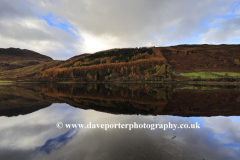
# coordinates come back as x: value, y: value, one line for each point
x: 116, y: 64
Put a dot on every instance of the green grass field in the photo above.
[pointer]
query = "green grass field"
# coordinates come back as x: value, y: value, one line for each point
x: 199, y: 88
x: 213, y: 75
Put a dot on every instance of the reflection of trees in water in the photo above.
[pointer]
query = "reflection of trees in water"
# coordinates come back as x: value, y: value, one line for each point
x: 99, y: 91
x: 148, y: 99
x: 154, y: 99
x: 132, y: 99
x: 16, y: 100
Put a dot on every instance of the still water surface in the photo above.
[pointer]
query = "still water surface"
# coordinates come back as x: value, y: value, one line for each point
x: 29, y: 114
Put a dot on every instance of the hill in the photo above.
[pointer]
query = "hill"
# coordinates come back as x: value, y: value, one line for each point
x: 12, y: 58
x: 121, y: 64
x: 15, y: 54
x: 181, y: 62
x: 199, y: 58
x: 18, y: 63
x: 156, y: 63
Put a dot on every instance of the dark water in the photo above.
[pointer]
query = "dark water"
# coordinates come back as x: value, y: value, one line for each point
x: 29, y: 113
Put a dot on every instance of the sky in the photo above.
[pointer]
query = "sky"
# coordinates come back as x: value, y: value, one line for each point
x: 64, y: 28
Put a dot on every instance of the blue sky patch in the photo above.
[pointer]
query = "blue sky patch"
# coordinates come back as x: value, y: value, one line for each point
x: 60, y: 23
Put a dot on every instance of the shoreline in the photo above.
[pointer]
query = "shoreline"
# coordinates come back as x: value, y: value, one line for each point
x: 133, y: 82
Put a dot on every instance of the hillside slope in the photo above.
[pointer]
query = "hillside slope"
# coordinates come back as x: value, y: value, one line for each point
x: 26, y: 73
x: 13, y: 58
x: 124, y: 64
x: 16, y: 64
x: 121, y: 64
x: 156, y: 63
x: 199, y: 58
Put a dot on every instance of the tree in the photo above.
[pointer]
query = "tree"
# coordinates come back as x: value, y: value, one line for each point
x: 113, y: 71
x: 125, y: 70
x: 147, y: 75
x: 122, y: 71
x: 236, y: 61
x: 160, y: 70
x: 137, y: 70
x: 132, y: 69
x: 108, y: 71
x: 89, y: 76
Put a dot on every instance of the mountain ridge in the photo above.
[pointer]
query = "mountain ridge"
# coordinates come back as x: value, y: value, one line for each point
x: 140, y: 63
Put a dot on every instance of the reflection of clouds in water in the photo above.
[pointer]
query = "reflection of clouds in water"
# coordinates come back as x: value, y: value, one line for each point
x: 225, y: 132
x: 54, y: 143
x: 28, y: 131
x: 39, y: 129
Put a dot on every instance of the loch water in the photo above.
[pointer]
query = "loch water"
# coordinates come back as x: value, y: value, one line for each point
x: 30, y: 115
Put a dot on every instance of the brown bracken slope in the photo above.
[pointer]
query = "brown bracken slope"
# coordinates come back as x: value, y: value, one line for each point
x: 195, y: 58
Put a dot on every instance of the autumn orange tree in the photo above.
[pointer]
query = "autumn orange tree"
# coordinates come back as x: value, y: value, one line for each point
x: 236, y: 62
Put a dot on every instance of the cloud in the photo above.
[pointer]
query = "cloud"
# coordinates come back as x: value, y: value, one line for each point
x: 27, y: 31
x: 93, y: 25
x: 227, y: 30
x: 14, y: 9
x: 134, y: 23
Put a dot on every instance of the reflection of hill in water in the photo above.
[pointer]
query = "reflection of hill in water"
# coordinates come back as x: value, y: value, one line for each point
x: 137, y: 99
x: 112, y: 99
x: 204, y: 103
x: 16, y: 100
